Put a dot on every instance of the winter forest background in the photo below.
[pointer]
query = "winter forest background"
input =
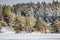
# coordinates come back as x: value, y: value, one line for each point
x: 30, y: 17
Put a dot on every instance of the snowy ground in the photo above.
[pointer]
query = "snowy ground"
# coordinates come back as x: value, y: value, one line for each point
x: 8, y: 35
x: 31, y: 36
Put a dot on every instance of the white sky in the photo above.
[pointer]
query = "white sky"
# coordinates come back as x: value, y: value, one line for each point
x: 10, y: 2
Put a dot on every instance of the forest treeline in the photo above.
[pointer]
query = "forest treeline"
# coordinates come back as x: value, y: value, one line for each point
x: 31, y: 17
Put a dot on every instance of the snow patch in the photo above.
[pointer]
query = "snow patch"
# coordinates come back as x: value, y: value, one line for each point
x: 6, y: 30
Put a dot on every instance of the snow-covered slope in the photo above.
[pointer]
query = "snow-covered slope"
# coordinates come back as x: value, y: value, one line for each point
x: 32, y: 36
x: 6, y: 30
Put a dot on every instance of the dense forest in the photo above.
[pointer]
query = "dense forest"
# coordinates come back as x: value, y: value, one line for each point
x: 30, y: 17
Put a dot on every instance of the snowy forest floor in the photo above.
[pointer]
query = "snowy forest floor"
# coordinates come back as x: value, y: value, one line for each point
x: 29, y: 36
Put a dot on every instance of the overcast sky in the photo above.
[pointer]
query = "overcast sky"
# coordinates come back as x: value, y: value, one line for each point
x: 10, y: 2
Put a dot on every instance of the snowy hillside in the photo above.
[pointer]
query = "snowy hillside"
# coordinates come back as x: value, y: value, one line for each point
x: 30, y: 17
